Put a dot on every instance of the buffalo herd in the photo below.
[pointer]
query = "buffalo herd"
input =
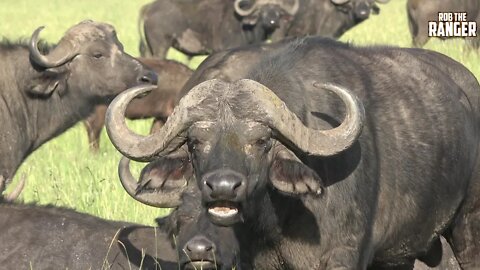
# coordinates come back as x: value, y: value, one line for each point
x: 285, y: 149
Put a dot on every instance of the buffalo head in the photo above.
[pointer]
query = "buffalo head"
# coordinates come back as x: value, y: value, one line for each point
x: 360, y: 9
x: 266, y: 13
x: 234, y: 139
x: 200, y: 244
x: 89, y: 58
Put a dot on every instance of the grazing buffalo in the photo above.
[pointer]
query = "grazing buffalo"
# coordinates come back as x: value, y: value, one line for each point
x: 43, y: 93
x: 322, y: 144
x: 420, y: 12
x: 158, y: 104
x: 197, y: 27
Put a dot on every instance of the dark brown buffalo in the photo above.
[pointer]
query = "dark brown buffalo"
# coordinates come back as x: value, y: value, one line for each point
x: 158, y: 104
x: 420, y: 12
x: 45, y: 92
x: 373, y: 151
x: 197, y: 27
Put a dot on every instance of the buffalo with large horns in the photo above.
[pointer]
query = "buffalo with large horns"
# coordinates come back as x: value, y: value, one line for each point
x: 321, y: 144
x: 45, y: 91
x: 202, y: 244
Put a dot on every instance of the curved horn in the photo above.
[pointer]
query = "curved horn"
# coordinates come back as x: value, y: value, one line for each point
x: 294, y: 8
x: 156, y: 199
x: 61, y: 54
x: 275, y: 113
x: 340, y: 2
x: 241, y: 11
x: 166, y: 139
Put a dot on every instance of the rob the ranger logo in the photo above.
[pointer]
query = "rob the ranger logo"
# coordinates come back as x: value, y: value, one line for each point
x: 452, y: 24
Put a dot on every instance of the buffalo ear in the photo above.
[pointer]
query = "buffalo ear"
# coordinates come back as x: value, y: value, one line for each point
x: 291, y: 176
x: 49, y: 81
x: 166, y: 174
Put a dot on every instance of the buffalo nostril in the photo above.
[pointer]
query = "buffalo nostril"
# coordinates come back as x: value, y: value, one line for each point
x: 150, y: 78
x: 237, y: 185
x: 145, y: 79
x: 209, y: 185
x: 199, y: 245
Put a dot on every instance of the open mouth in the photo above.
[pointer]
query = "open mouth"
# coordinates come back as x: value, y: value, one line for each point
x: 223, y: 209
x: 200, y: 265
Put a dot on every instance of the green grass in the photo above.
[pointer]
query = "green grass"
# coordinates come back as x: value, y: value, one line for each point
x: 63, y: 172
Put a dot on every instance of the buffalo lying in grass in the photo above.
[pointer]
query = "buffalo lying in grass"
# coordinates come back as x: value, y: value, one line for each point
x: 321, y: 144
x: 42, y: 95
x: 158, y: 104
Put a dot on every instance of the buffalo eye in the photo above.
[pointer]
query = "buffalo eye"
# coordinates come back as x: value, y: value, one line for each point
x: 262, y: 144
x: 193, y: 143
x: 97, y: 55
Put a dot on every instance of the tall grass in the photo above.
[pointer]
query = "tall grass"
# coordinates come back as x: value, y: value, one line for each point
x: 63, y: 172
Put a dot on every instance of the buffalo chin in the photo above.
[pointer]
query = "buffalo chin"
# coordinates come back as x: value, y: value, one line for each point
x: 197, y: 265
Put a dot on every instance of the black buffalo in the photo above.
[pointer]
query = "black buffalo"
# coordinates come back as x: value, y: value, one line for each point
x: 420, y: 12
x: 203, y: 245
x: 201, y: 27
x: 42, y: 95
x: 158, y: 104
x: 322, y: 144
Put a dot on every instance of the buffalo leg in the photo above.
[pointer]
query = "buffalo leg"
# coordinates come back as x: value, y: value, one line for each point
x: 94, y: 124
x: 464, y: 235
x: 465, y: 239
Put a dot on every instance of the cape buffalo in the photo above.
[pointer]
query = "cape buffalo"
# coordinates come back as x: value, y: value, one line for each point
x: 200, y: 27
x: 204, y: 245
x: 158, y: 104
x: 42, y: 95
x: 349, y: 156
x: 420, y: 12
x: 328, y: 18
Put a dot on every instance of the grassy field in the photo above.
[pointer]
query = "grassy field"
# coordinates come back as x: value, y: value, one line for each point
x: 64, y: 173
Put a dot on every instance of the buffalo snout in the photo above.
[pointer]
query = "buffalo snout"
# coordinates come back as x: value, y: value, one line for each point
x: 362, y: 11
x: 225, y: 185
x: 148, y: 77
x: 200, y: 252
x: 222, y: 191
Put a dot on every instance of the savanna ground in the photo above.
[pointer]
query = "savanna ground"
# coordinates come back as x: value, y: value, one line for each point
x: 64, y: 172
